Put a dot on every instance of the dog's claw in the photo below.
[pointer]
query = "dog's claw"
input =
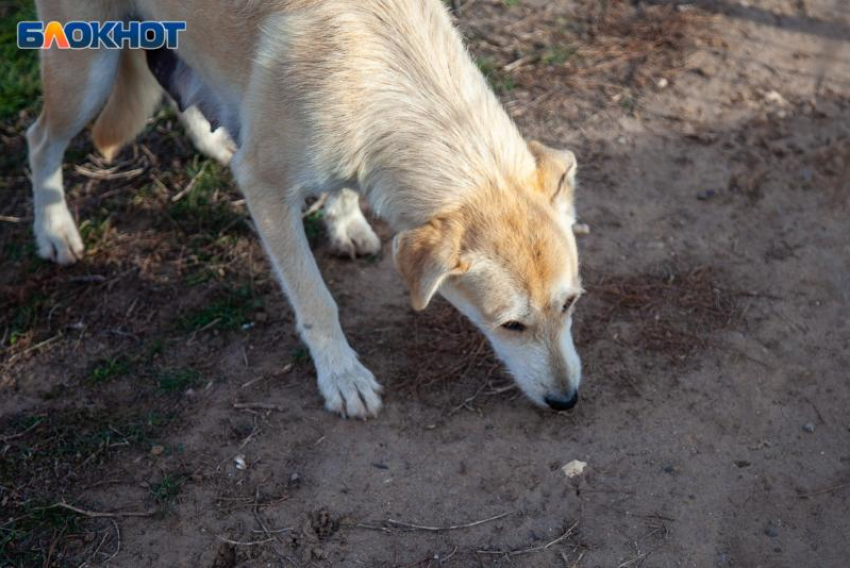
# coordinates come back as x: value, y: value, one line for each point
x: 351, y: 393
x: 57, y: 237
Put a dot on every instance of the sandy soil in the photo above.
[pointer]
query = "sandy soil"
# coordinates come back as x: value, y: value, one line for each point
x: 714, y: 143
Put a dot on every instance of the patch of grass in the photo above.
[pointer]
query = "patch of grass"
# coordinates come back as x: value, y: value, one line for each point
x: 19, y: 77
x: 24, y: 317
x: 168, y: 488
x: 206, y: 211
x: 499, y: 80
x: 177, y: 380
x: 109, y: 369
x: 94, y: 229
x: 23, y: 537
x: 65, y: 441
x: 49, y: 454
x: 314, y: 227
x: 20, y: 249
x: 229, y: 312
x: 558, y: 55
x: 301, y: 355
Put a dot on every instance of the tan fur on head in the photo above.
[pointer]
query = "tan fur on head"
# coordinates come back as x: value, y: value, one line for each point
x: 556, y: 176
x: 426, y: 256
x: 504, y: 258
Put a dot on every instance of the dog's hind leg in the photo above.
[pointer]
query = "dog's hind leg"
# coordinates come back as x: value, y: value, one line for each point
x: 76, y: 86
x: 349, y: 231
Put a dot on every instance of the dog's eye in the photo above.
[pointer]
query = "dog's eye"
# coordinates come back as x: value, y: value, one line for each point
x: 514, y: 326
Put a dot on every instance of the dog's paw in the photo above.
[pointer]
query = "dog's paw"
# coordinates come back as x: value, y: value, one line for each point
x: 57, y: 236
x: 353, y: 237
x: 351, y: 392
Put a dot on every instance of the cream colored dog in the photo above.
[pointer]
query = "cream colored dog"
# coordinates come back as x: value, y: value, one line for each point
x: 327, y: 95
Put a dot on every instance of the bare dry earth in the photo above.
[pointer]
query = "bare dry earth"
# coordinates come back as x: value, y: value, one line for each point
x: 714, y: 415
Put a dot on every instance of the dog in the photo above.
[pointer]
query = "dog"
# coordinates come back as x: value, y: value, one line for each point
x: 351, y: 98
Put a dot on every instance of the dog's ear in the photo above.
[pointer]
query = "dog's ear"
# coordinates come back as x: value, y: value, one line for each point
x: 426, y: 256
x: 556, y: 176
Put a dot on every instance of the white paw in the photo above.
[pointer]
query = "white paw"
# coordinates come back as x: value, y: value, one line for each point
x: 351, y: 391
x: 57, y: 236
x: 219, y: 146
x: 353, y: 237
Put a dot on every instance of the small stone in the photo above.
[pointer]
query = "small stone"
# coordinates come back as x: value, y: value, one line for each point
x: 706, y: 195
x: 809, y: 427
x: 574, y: 468
x: 671, y: 469
x: 771, y: 531
x: 240, y: 462
x: 157, y: 450
x: 742, y: 463
x: 662, y: 83
x: 622, y: 140
x: 773, y: 97
x: 294, y: 478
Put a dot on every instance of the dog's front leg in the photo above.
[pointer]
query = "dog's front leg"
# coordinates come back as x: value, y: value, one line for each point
x: 348, y: 387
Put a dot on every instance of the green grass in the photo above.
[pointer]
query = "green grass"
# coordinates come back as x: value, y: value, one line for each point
x: 228, y: 312
x: 19, y: 78
x: 314, y: 227
x: 499, y: 80
x: 70, y: 438
x: 558, y: 55
x: 94, y: 229
x: 24, y: 317
x: 109, y: 369
x: 177, y: 380
x: 205, y: 212
x: 37, y: 464
x: 168, y: 488
x: 301, y: 355
x: 35, y: 522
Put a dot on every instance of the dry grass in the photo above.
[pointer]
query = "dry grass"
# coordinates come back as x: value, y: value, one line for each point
x: 674, y: 310
x: 603, y: 54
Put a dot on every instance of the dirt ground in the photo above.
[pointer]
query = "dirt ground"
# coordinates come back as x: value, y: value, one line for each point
x: 714, y: 144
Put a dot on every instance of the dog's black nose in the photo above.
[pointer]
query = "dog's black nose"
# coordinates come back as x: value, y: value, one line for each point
x: 562, y: 402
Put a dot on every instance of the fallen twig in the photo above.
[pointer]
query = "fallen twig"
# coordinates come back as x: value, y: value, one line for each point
x: 824, y: 491
x: 22, y: 434
x: 190, y: 186
x: 414, y: 527
x: 100, y: 514
x: 534, y: 549
x: 257, y: 405
x: 108, y: 175
x: 239, y: 543
x: 318, y: 204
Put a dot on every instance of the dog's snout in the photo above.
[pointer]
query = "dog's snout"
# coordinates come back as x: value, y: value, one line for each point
x: 562, y: 401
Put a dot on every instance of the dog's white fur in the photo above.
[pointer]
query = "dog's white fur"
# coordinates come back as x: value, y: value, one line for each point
x: 327, y: 95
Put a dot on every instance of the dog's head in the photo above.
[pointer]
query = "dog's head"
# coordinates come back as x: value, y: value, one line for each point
x: 508, y: 261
